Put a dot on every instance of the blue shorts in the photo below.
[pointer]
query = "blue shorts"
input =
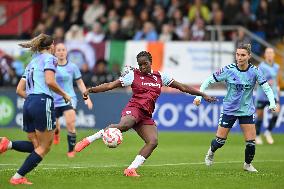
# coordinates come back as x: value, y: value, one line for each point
x: 59, y: 110
x: 38, y: 113
x: 227, y: 121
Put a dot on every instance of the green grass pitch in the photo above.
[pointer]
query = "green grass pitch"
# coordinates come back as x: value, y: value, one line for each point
x: 176, y: 163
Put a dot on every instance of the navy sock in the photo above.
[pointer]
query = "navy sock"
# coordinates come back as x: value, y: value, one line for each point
x: 30, y: 163
x: 23, y: 146
x: 258, y: 124
x: 71, y: 139
x: 250, y: 151
x: 217, y: 143
x: 272, y: 123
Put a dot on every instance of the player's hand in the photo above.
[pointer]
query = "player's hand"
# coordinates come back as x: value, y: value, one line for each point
x: 210, y: 98
x: 86, y: 94
x: 196, y: 101
x: 89, y: 103
x: 67, y: 98
x: 273, y: 108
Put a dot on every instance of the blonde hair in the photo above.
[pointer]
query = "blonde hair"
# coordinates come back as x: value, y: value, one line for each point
x: 38, y: 43
x: 245, y: 46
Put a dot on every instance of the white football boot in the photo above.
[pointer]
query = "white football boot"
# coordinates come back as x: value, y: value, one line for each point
x: 249, y: 167
x: 258, y: 140
x: 268, y: 137
x: 209, y: 157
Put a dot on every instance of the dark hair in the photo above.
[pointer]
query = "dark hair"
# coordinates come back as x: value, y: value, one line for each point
x: 38, y: 43
x: 144, y: 53
x: 247, y: 47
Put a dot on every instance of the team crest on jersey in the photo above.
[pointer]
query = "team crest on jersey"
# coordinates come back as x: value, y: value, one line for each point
x: 155, y: 78
x: 128, y: 112
x: 219, y: 72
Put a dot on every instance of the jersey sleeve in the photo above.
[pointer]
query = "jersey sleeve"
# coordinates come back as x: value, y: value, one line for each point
x: 221, y: 74
x: 127, y: 78
x: 24, y: 76
x: 260, y: 77
x: 50, y: 63
x: 76, y: 74
x: 166, y: 79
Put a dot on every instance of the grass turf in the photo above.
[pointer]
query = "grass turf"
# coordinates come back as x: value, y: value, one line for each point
x: 176, y: 163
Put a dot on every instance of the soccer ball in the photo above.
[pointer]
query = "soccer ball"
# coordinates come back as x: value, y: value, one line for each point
x: 112, y: 137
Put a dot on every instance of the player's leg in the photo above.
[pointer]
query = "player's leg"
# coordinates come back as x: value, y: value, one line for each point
x: 259, y: 121
x: 126, y: 123
x: 58, y: 114
x: 249, y: 135
x: 70, y: 117
x: 149, y: 134
x: 271, y: 126
x: 226, y: 122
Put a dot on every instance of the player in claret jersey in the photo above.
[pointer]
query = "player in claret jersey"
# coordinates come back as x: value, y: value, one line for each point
x: 146, y: 85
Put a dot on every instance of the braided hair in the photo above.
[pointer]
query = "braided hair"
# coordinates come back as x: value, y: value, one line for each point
x: 144, y: 53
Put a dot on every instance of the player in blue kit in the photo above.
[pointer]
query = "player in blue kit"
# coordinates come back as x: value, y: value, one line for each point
x: 271, y: 72
x: 66, y: 73
x: 238, y: 104
x: 36, y: 87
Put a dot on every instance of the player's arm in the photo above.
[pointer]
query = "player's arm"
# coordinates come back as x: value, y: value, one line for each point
x: 102, y: 88
x: 21, y: 88
x: 190, y: 90
x: 82, y: 88
x: 51, y: 83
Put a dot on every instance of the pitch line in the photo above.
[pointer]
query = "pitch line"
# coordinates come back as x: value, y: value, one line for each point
x: 84, y: 166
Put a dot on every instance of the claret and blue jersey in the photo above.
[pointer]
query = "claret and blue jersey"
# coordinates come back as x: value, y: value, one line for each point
x: 240, y: 84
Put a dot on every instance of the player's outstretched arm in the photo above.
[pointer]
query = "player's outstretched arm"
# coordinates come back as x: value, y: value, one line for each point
x: 190, y: 90
x: 102, y: 88
x: 21, y: 88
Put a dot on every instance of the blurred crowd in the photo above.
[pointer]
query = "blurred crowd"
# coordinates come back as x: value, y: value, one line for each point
x: 95, y: 21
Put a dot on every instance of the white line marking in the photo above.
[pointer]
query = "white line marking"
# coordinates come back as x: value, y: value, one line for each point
x: 84, y: 166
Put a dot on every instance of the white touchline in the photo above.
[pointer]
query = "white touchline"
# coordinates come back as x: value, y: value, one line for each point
x: 84, y: 166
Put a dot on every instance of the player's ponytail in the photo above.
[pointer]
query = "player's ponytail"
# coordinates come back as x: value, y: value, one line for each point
x: 38, y: 43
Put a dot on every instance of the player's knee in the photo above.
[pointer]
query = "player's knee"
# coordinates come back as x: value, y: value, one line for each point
x: 153, y: 143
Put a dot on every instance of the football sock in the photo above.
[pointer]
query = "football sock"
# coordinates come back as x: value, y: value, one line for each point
x: 30, y: 163
x: 139, y: 160
x: 272, y: 123
x: 250, y: 151
x: 71, y: 140
x: 22, y: 146
x: 258, y: 126
x: 217, y: 143
x: 95, y: 136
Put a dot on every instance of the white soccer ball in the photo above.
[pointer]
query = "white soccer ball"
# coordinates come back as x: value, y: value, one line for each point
x: 112, y: 137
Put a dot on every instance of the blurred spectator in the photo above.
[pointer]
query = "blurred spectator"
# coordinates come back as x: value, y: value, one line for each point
x: 179, y: 23
x: 143, y: 17
x: 118, y: 7
x: 128, y: 23
x: 167, y: 33
x: 198, y: 30
x: 75, y: 33
x: 101, y: 73
x: 55, y: 7
x: 60, y: 21
x: 113, y: 32
x: 93, y: 12
x: 148, y: 5
x: 148, y: 33
x: 58, y: 35
x: 199, y: 10
x: 75, y: 13
x: 97, y: 35
x: 40, y: 28
x: 217, y: 20
x: 175, y: 4
x: 7, y: 72
x: 245, y: 17
x: 231, y: 9
x: 135, y: 6
x: 159, y: 18
x: 86, y: 75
